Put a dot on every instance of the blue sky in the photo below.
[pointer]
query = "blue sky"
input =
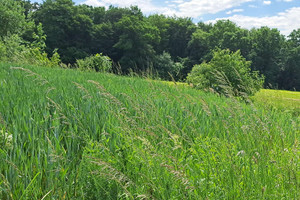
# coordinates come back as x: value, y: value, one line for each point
x: 281, y: 14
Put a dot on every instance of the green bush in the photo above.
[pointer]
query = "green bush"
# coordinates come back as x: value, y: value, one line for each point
x: 227, y: 73
x: 97, y: 62
x: 10, y: 47
x: 2, y: 51
x: 36, y: 56
x: 14, y: 49
x: 166, y: 67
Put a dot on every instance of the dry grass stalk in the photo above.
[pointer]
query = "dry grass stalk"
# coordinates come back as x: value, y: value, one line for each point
x: 83, y: 89
x: 30, y: 73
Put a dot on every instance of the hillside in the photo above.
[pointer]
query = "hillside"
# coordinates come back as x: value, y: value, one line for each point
x: 67, y: 134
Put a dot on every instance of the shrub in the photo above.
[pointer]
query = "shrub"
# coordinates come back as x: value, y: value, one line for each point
x: 227, y: 73
x: 2, y: 51
x: 36, y: 56
x: 11, y: 46
x: 97, y: 62
x: 13, y: 49
x: 166, y: 67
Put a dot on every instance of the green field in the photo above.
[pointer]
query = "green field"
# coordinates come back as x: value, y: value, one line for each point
x: 67, y: 134
x: 286, y: 101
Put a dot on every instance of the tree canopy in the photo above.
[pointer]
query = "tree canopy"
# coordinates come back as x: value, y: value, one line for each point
x: 136, y: 42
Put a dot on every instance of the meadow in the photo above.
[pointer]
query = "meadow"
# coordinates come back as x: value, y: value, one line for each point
x: 286, y: 101
x: 68, y: 134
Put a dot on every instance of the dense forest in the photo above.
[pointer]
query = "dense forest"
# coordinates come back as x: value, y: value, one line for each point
x: 166, y: 46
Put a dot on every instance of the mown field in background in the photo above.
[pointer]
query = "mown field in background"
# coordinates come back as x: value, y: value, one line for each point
x: 286, y: 101
x: 68, y: 134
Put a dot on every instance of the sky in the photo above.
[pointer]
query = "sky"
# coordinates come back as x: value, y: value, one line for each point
x: 281, y: 14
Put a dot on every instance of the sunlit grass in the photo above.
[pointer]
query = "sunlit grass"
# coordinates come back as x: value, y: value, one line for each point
x: 287, y: 101
x: 67, y: 134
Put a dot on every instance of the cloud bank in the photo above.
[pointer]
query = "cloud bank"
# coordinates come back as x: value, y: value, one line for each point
x: 285, y: 21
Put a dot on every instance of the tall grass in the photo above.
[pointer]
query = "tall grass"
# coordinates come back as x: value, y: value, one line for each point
x: 67, y: 134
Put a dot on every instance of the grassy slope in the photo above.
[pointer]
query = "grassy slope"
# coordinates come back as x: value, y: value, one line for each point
x: 64, y: 136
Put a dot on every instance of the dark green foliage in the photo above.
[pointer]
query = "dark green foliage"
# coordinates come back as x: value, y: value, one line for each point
x: 166, y: 67
x: 198, y: 46
x: 21, y: 41
x: 134, y: 41
x: 12, y: 19
x: 135, y: 38
x: 227, y: 73
x: 98, y: 63
x: 266, y: 49
x: 290, y: 71
x: 162, y: 24
x: 180, y: 33
x: 198, y: 50
x: 67, y: 28
x: 227, y: 35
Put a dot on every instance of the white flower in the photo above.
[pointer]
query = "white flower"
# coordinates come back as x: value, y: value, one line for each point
x: 240, y: 153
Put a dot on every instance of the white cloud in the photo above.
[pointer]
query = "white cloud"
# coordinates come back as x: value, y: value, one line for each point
x: 234, y: 11
x: 145, y: 5
x: 267, y: 2
x: 178, y: 1
x: 95, y: 3
x: 181, y: 8
x: 196, y: 8
x: 285, y: 21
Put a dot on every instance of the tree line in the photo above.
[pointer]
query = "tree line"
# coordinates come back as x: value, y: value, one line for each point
x: 168, y: 46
